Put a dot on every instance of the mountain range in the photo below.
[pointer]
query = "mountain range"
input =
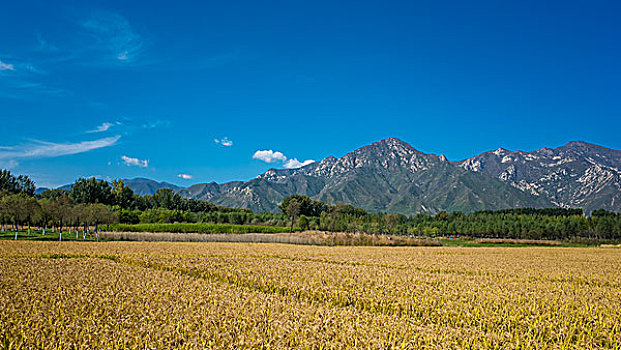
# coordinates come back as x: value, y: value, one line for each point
x: 391, y: 175
x: 577, y: 175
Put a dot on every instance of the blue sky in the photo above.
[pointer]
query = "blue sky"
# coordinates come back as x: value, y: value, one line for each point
x: 145, y: 88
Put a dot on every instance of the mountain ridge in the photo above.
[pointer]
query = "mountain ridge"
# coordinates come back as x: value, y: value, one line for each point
x: 577, y: 174
x: 388, y: 175
x: 391, y: 175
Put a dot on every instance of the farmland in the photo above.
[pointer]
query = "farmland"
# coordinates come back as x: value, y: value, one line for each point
x: 76, y: 295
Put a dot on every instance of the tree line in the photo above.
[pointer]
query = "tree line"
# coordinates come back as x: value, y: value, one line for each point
x: 90, y: 202
x: 518, y: 223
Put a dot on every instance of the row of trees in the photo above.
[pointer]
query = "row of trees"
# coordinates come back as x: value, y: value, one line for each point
x: 164, y: 206
x: 93, y: 202
x: 60, y: 213
x: 57, y: 210
x: 523, y: 223
x: 161, y: 215
x: 121, y: 196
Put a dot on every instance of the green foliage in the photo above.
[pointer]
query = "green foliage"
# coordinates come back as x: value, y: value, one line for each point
x: 91, y: 191
x: 165, y: 216
x: 537, y: 211
x: 562, y: 224
x: 16, y: 184
x: 306, y: 205
x: 167, y: 199
x: 304, y: 223
x: 129, y: 216
x: 242, y: 218
x: 53, y: 194
x: 90, y: 202
x: 122, y: 195
x: 197, y: 228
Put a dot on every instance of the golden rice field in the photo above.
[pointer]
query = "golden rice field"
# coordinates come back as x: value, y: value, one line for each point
x: 148, y: 295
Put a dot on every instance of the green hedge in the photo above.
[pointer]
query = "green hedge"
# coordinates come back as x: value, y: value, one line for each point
x: 197, y: 228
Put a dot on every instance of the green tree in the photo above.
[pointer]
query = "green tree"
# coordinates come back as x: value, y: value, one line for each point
x: 60, y: 210
x: 304, y: 222
x: 391, y: 220
x: 90, y: 191
x: 78, y: 216
x: 129, y: 216
x: 31, y: 208
x: 308, y: 207
x: 16, y: 184
x: 45, y: 212
x: 122, y: 195
x: 99, y: 214
x: 143, y: 202
x: 605, y: 226
x: 167, y: 199
x: 4, y: 210
x: 291, y: 209
x: 16, y: 211
x: 53, y: 194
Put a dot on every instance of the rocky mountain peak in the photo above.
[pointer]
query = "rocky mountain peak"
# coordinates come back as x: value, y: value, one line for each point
x: 393, y: 143
x: 390, y: 148
x: 391, y: 175
x: 578, y: 174
x: 328, y: 160
x: 578, y: 143
x: 501, y: 151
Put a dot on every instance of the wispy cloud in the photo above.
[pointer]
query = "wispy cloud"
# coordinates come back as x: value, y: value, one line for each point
x: 43, y: 45
x: 103, y: 127
x: 21, y: 79
x: 43, y: 149
x: 294, y: 163
x: 6, y: 66
x: 113, y: 36
x: 8, y: 164
x: 99, y: 39
x: 129, y: 161
x: 156, y: 124
x: 185, y: 176
x: 224, y: 142
x: 20, y: 88
x: 270, y: 156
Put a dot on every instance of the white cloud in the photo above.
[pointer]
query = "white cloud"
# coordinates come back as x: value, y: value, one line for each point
x: 129, y: 161
x: 6, y: 66
x: 294, y: 163
x: 103, y: 127
x: 42, y: 149
x: 224, y: 141
x: 269, y: 156
x: 185, y: 176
